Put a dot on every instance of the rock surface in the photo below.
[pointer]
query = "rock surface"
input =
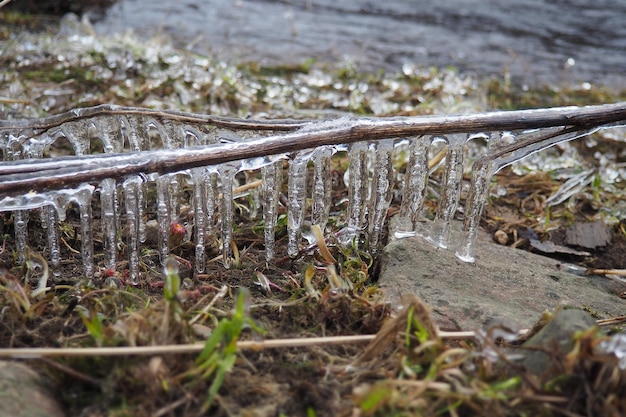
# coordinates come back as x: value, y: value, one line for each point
x: 557, y: 334
x: 24, y: 394
x: 503, y: 284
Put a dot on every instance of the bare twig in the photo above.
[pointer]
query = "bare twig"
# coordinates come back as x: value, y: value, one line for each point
x: 27, y: 353
x: 36, y: 353
x: 55, y: 173
x: 71, y: 372
x: 592, y: 271
x: 613, y: 321
x: 167, y: 410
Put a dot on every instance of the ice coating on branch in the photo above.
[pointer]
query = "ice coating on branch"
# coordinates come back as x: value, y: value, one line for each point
x: 486, y: 167
x: 206, y: 193
x: 56, y: 201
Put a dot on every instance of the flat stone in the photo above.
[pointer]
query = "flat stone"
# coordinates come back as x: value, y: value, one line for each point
x: 588, y: 235
x: 23, y: 393
x: 557, y: 334
x: 503, y: 284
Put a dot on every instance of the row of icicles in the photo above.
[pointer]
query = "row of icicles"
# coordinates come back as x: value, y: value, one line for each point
x: 371, y: 181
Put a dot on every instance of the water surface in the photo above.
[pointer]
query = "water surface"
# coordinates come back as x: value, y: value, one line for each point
x: 534, y: 40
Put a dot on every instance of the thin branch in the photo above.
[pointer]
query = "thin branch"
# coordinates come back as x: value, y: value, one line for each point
x: 27, y: 353
x: 36, y: 353
x: 69, y: 371
x: 56, y: 173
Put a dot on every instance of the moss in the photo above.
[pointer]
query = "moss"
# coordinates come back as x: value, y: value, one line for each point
x: 502, y: 94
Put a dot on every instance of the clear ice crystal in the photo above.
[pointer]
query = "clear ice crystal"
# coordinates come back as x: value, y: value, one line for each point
x: 164, y: 219
x: 133, y: 188
x: 415, y: 181
x: 358, y: 189
x: 75, y: 132
x: 109, y: 216
x: 382, y: 191
x: 50, y: 220
x: 199, y: 176
x: 322, y: 186
x: 450, y: 191
x: 296, y: 194
x: 615, y: 345
x: 204, y: 195
x: 272, y: 180
x: 227, y: 174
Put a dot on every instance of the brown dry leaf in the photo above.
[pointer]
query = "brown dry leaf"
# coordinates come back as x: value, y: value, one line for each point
x: 390, y: 330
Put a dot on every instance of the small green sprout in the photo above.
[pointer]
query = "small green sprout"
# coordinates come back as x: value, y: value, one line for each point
x: 220, y: 350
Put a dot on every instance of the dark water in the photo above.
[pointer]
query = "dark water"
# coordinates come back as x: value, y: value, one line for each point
x: 534, y: 40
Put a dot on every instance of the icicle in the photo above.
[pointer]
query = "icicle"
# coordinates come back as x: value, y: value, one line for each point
x: 358, y: 185
x: 199, y: 176
x: 485, y: 168
x: 322, y: 186
x: 76, y: 134
x: 107, y: 129
x: 212, y: 201
x: 272, y: 181
x: 416, y: 179
x: 51, y: 224
x: 141, y: 211
x: 108, y: 202
x: 172, y: 134
x: 175, y: 186
x: 20, y: 225
x: 450, y: 191
x: 382, y: 191
x: 132, y: 191
x: 255, y: 196
x: 83, y: 198
x: 163, y: 216
x: 227, y: 175
x: 296, y: 194
x: 135, y: 136
x: 482, y: 172
x: 13, y: 151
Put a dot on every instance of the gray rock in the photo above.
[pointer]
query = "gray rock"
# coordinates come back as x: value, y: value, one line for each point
x: 503, y: 284
x: 24, y: 394
x: 555, y: 337
x: 588, y: 235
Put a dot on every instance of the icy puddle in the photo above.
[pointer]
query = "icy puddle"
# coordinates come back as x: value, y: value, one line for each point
x: 191, y: 166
